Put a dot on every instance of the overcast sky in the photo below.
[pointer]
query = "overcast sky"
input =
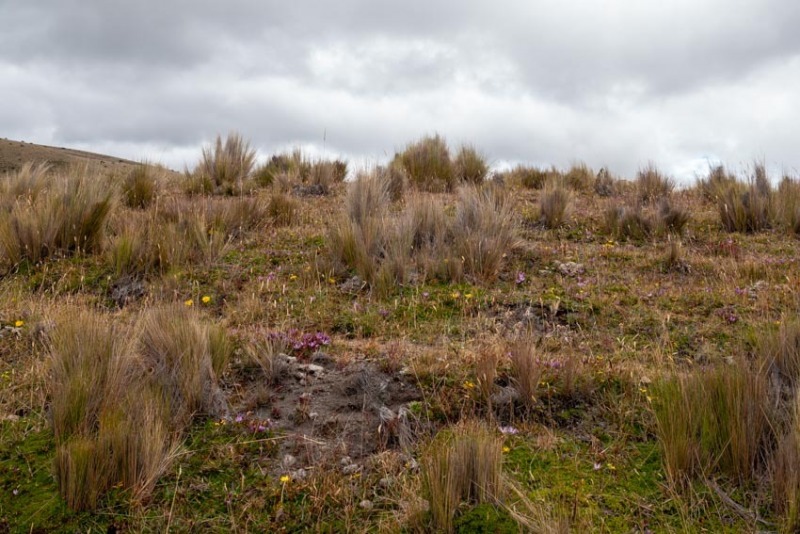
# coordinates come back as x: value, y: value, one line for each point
x: 614, y: 82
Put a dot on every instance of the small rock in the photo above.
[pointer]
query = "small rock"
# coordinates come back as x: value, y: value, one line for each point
x: 365, y: 504
x: 300, y: 474
x: 352, y: 285
x: 313, y: 368
x: 570, y: 268
x: 386, y: 482
x: 346, y: 460
x: 505, y: 396
x: 288, y: 461
x: 351, y: 469
x: 321, y: 357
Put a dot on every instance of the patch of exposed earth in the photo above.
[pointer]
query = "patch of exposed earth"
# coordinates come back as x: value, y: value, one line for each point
x: 328, y: 411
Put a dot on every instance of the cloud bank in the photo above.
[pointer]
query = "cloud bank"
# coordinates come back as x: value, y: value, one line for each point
x: 616, y: 83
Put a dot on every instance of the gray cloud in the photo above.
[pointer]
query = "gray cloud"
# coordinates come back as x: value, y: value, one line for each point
x: 613, y: 83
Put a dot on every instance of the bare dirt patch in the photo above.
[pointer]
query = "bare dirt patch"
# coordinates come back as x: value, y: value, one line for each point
x: 328, y: 410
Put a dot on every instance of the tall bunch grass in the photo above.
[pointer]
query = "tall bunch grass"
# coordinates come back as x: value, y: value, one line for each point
x: 462, y: 466
x: 226, y: 166
x: 717, y: 421
x: 483, y: 229
x: 553, y: 204
x: 64, y: 213
x: 428, y: 164
x: 470, y: 166
x: 140, y: 186
x: 652, y: 185
x: 176, y: 345
x: 109, y: 425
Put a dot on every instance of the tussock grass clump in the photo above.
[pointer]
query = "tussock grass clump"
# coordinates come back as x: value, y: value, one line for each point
x: 781, y: 352
x: 386, y: 249
x: 395, y: 178
x: 715, y: 184
x: 470, y: 165
x: 628, y: 223
x: 636, y: 224
x: 671, y: 219
x: 325, y: 174
x: 553, y: 204
x: 483, y: 229
x: 463, y: 465
x: 225, y: 167
x: 580, y: 177
x: 25, y: 184
x: 717, y: 421
x: 140, y: 186
x: 428, y: 164
x: 526, y: 371
x: 747, y: 207
x: 368, y: 196
x: 788, y: 204
x: 282, y: 209
x: 288, y: 164
x: 606, y: 185
x: 109, y: 425
x: 67, y: 215
x: 180, y: 232
x: 268, y: 353
x: 785, y: 476
x: 652, y: 185
x: 176, y: 345
x: 529, y: 177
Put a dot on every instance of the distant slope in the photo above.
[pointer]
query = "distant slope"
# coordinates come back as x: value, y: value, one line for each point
x: 14, y: 153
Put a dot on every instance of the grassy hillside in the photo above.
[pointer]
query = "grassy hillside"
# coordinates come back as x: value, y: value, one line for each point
x: 425, y: 347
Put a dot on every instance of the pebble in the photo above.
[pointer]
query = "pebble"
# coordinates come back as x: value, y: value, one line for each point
x: 351, y: 469
x: 288, y: 461
x: 365, y: 505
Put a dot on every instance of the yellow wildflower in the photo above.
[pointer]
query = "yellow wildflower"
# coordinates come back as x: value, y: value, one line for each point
x: 206, y: 299
x: 285, y: 479
x: 455, y: 294
x: 292, y: 277
x: 19, y: 323
x: 506, y: 449
x: 331, y: 281
x: 468, y: 296
x: 189, y: 303
x: 469, y: 385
